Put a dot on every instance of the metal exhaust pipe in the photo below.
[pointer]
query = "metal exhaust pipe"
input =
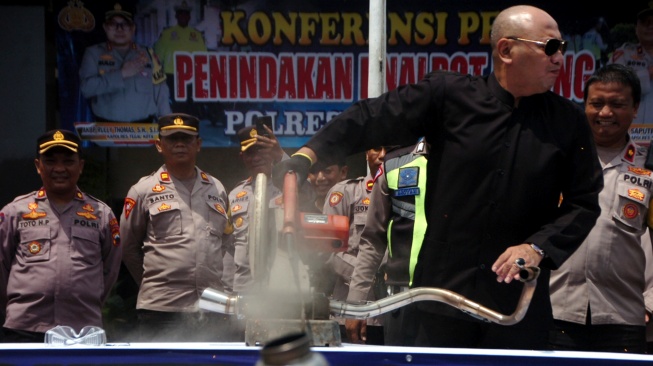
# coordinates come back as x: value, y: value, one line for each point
x: 217, y: 301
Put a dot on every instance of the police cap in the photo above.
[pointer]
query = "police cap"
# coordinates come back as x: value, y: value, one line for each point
x: 118, y: 11
x: 183, y: 7
x: 58, y: 138
x: 179, y: 122
x: 642, y: 15
x: 247, y: 137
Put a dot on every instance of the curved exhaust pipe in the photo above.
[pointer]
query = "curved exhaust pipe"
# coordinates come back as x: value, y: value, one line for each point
x: 217, y: 301
x: 528, y: 275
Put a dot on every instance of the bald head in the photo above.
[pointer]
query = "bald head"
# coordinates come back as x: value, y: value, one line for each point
x: 521, y: 21
x: 521, y: 63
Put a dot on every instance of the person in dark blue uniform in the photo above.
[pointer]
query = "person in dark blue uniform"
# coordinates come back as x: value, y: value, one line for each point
x: 503, y: 150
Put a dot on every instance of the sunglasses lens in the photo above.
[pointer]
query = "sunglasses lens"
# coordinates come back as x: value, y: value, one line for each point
x: 553, y: 45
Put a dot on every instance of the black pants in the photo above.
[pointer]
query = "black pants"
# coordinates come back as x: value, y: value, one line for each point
x: 566, y: 336
x: 400, y: 326
x: 436, y: 330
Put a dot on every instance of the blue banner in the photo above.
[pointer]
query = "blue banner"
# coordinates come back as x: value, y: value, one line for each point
x: 300, y: 63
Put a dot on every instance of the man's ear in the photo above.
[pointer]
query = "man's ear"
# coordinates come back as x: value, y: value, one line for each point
x: 504, y: 48
x: 344, y: 171
x: 157, y: 144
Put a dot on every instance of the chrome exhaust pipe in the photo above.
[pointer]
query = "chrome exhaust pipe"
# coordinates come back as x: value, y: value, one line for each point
x: 217, y: 301
x: 528, y: 276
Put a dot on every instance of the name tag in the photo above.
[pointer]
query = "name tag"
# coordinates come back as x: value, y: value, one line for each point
x: 406, y: 192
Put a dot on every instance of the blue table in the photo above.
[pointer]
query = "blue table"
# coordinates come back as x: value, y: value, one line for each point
x: 240, y: 354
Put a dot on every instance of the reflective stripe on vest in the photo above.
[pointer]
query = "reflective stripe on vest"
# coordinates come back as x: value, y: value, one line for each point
x: 416, y: 212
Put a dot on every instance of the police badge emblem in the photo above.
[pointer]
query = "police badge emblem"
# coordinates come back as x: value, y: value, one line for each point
x: 408, y: 181
x: 34, y: 247
x: 408, y: 177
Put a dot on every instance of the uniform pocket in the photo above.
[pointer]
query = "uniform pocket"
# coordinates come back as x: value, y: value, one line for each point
x: 217, y: 218
x: 35, y: 245
x: 166, y: 219
x: 86, y: 245
x: 343, y: 265
x: 359, y: 225
x: 631, y: 205
x: 143, y: 83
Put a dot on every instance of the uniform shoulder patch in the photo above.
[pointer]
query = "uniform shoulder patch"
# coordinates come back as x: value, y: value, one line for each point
x: 115, y: 232
x: 335, y: 198
x: 129, y: 206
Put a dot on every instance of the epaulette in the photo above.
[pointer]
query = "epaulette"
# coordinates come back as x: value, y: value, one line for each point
x: 348, y: 181
x: 354, y: 180
x: 91, y: 197
x: 629, y: 155
x: 146, y: 176
x: 26, y: 195
x: 244, y: 182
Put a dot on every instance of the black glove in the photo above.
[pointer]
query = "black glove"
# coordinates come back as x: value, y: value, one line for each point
x: 299, y: 164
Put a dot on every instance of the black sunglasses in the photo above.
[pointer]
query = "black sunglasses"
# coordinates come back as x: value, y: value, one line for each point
x: 551, y: 46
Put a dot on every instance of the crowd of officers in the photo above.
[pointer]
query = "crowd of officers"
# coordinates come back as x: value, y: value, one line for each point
x: 181, y: 231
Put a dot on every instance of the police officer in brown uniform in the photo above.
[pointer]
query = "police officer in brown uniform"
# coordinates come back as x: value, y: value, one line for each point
x: 351, y: 198
x: 59, y: 248
x: 174, y: 225
x: 259, y: 150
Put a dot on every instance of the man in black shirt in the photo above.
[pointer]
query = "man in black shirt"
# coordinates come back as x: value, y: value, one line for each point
x: 504, y: 148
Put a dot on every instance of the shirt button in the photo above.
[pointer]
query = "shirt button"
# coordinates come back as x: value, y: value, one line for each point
x: 482, y: 266
x: 500, y: 171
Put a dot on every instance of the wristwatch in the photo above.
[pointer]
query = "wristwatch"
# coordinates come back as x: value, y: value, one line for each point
x: 538, y: 250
